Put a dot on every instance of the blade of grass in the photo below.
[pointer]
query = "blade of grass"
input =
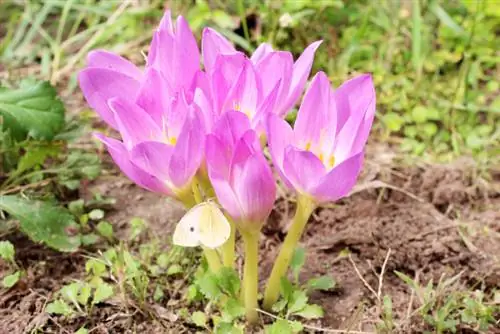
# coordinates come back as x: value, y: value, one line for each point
x: 445, y: 18
x: 416, y: 38
x: 243, y: 18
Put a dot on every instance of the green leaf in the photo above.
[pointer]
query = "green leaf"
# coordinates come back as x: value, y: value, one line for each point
x: 199, y: 319
x: 84, y: 295
x: 44, y: 222
x: 10, y: 280
x: 102, y: 292
x: 35, y: 156
x: 209, y: 287
x: 297, y: 262
x: 159, y: 294
x: 7, y: 251
x: 174, y: 269
x: 229, y: 281
x: 77, y: 207
x: 227, y: 328
x: 89, y: 239
x: 321, y: 283
x: 70, y: 291
x: 281, y: 326
x: 138, y: 225
x: 298, y: 301
x: 297, y: 326
x: 393, y: 121
x: 286, y: 288
x: 82, y: 330
x: 279, y: 305
x: 32, y: 110
x: 420, y: 114
x: 96, y: 214
x: 233, y: 309
x: 310, y: 312
x: 59, y: 307
x: 105, y: 229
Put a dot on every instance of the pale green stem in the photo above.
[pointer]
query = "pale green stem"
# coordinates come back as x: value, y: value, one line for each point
x: 228, y: 248
x: 305, y: 206
x: 213, y: 259
x: 251, y: 275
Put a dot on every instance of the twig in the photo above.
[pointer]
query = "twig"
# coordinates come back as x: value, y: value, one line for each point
x: 324, y: 330
x: 380, y: 184
x: 361, y: 277
x: 27, y: 186
x: 381, y: 276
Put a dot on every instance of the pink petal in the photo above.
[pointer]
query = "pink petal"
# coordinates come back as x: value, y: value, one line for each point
x: 218, y: 157
x: 303, y: 169
x: 266, y: 107
x: 246, y: 146
x: 244, y: 94
x: 279, y: 136
x: 230, y: 127
x: 154, y: 95
x: 255, y: 189
x: 99, y: 85
x: 316, y: 118
x: 121, y: 157
x: 340, y: 180
x: 301, y: 70
x: 175, y: 116
x: 166, y: 22
x: 263, y: 50
x: 134, y: 124
x: 188, y: 152
x: 153, y: 157
x: 226, y: 196
x: 187, y: 54
x: 226, y: 69
x: 108, y: 60
x: 212, y: 45
x: 274, y: 67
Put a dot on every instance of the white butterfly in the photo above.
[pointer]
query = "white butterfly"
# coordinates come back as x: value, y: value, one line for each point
x: 205, y: 225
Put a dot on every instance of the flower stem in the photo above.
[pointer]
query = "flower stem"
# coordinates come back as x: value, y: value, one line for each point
x: 305, y: 206
x: 213, y: 259
x: 251, y: 275
x: 228, y: 248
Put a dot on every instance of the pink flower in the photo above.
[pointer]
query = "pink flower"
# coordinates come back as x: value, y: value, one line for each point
x: 323, y: 155
x: 279, y: 74
x: 164, y: 158
x: 173, y: 62
x: 239, y: 172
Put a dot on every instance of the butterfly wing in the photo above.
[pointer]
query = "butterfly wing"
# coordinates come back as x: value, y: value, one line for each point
x: 187, y: 232
x: 214, y: 228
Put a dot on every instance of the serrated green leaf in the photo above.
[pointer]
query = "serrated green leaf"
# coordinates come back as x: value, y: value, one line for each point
x: 7, y: 251
x: 229, y: 281
x: 279, y: 305
x: 297, y: 262
x: 10, y: 280
x: 102, y: 292
x: 297, y: 302
x: 208, y: 286
x: 281, y: 326
x: 233, y: 309
x: 59, y: 307
x: 44, y: 222
x: 33, y: 110
x: 105, y: 229
x: 310, y: 311
x: 321, y: 283
x: 199, y: 319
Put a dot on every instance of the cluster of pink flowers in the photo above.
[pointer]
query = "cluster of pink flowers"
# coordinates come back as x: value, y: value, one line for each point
x: 178, y: 120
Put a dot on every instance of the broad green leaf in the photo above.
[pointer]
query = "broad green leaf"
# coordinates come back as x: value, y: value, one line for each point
x: 32, y: 110
x: 298, y: 259
x: 7, y: 251
x: 199, y: 319
x: 233, y: 309
x: 310, y: 312
x: 279, y: 305
x: 102, y: 292
x: 84, y: 295
x: 297, y: 301
x: 44, y: 222
x: 105, y: 229
x: 10, y: 280
x: 286, y: 289
x: 281, y: 326
x: 321, y: 283
x: 70, y: 291
x: 229, y: 281
x: 96, y: 214
x: 209, y: 287
x: 59, y: 307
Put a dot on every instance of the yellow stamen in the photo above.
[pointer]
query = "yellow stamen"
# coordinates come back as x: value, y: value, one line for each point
x: 321, y: 157
x: 172, y: 140
x: 308, y: 146
x: 236, y: 106
x: 331, y: 161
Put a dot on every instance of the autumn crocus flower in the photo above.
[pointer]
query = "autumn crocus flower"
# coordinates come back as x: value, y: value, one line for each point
x: 321, y: 157
x: 245, y: 188
x: 173, y: 54
x: 276, y: 68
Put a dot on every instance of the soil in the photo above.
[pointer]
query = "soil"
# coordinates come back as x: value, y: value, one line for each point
x: 426, y: 221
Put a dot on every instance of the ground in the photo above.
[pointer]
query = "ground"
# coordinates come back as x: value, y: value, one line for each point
x: 426, y: 221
